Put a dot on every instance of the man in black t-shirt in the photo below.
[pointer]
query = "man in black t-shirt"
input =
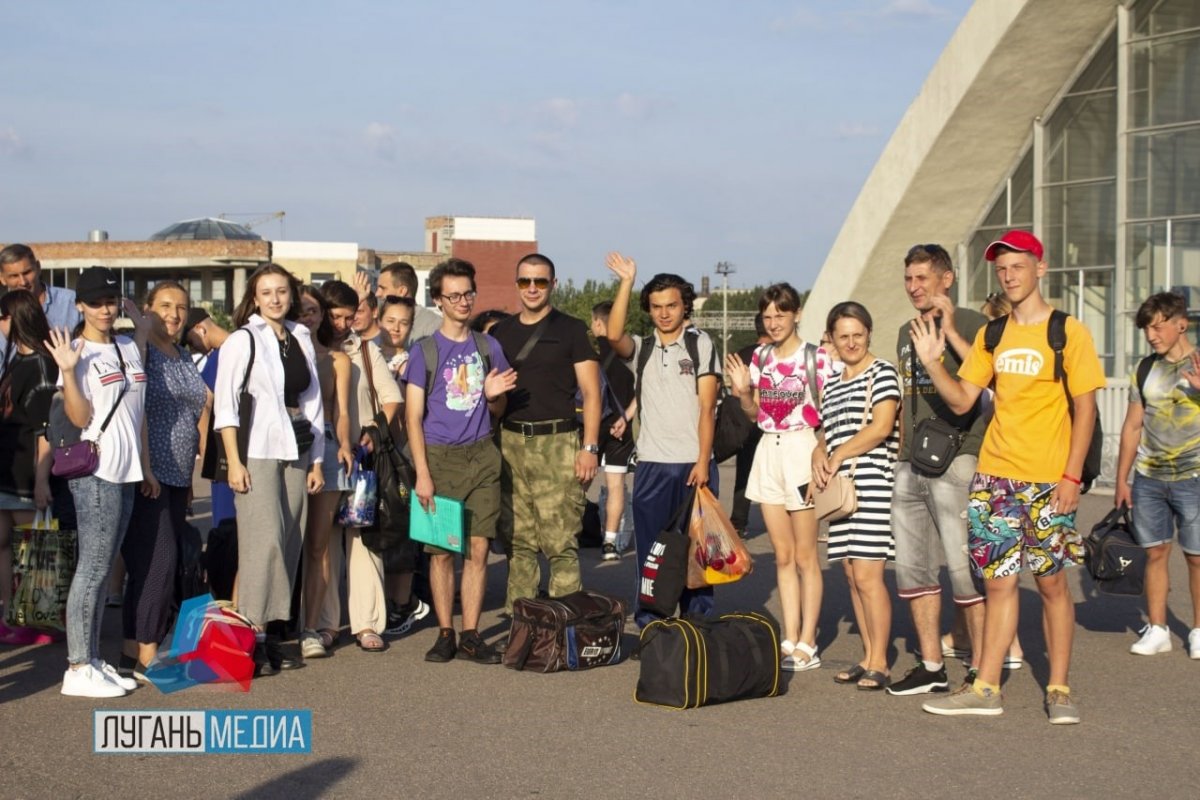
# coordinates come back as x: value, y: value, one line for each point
x: 546, y: 467
x: 616, y: 435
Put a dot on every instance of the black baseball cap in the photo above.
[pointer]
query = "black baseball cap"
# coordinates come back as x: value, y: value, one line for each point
x: 195, y: 316
x: 96, y: 284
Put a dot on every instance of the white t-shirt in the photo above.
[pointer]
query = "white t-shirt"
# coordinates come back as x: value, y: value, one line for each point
x: 101, y: 378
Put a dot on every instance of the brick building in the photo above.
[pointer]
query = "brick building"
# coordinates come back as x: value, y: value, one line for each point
x: 493, y: 244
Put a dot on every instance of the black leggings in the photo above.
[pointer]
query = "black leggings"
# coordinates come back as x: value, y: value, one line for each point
x: 151, y: 553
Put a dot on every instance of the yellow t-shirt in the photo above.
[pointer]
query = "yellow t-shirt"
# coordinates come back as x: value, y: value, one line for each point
x: 1029, y: 437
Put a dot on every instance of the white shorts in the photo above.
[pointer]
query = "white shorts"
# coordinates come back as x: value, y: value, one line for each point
x: 782, y: 469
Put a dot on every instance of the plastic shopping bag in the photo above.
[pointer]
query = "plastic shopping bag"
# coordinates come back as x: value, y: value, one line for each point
x: 43, y: 566
x: 716, y: 554
x: 357, y: 509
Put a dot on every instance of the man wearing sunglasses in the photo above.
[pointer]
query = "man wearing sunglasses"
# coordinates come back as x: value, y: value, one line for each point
x: 20, y: 269
x: 546, y: 463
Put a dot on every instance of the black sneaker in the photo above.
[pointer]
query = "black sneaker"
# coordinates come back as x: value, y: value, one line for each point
x: 401, y: 619
x: 608, y: 552
x: 919, y: 680
x: 443, y: 649
x: 473, y: 648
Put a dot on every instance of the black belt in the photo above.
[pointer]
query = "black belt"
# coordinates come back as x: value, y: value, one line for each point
x: 528, y: 429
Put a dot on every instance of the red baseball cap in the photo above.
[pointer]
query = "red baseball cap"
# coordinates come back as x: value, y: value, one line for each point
x: 1020, y: 241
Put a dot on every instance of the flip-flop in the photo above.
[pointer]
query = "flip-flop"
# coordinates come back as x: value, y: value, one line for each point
x: 850, y: 675
x: 370, y: 642
x: 880, y: 681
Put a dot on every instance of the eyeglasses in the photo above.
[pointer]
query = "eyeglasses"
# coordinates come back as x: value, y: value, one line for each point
x: 525, y: 283
x: 458, y: 297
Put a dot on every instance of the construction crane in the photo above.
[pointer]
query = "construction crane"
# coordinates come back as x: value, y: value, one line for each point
x: 256, y: 218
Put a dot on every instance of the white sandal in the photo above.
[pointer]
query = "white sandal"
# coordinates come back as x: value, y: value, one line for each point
x: 793, y: 661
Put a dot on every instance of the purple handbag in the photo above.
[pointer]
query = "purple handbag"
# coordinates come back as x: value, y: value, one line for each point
x: 82, y: 458
x: 75, y: 460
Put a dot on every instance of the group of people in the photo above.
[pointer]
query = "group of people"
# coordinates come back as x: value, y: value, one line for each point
x: 515, y: 415
x: 968, y: 452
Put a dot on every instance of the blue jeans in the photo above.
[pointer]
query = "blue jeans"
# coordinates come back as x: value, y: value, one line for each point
x: 102, y: 512
x: 1160, y: 507
x: 658, y: 491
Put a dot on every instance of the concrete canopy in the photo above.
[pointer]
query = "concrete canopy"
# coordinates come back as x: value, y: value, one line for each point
x: 954, y: 146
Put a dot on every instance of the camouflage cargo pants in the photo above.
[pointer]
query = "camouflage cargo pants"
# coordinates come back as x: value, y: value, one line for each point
x: 544, y: 501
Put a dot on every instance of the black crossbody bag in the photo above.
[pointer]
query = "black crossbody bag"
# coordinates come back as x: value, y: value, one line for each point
x: 935, y: 442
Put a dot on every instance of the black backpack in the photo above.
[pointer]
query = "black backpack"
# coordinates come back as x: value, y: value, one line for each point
x: 1056, y: 336
x: 1143, y: 372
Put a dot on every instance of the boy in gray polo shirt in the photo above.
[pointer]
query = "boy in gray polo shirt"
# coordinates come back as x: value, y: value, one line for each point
x: 677, y: 397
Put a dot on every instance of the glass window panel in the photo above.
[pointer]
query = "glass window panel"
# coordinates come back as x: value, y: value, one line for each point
x: 1165, y: 81
x: 998, y: 216
x: 1165, y: 173
x: 1152, y: 17
x: 1101, y: 71
x: 1145, y: 261
x: 1185, y: 260
x: 1079, y: 229
x: 1022, y: 192
x: 1081, y: 139
x: 1087, y: 295
x: 981, y: 278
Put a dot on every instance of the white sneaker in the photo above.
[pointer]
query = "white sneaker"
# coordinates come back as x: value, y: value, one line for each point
x: 1155, y: 639
x: 89, y: 682
x: 1194, y: 644
x: 112, y: 676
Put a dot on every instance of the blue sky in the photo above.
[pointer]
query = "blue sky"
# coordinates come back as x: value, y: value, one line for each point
x: 682, y: 133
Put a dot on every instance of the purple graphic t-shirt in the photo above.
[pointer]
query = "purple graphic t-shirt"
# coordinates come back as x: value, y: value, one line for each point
x: 785, y: 401
x: 455, y: 409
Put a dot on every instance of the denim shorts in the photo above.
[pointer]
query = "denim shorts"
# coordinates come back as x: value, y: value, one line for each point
x: 1157, y: 504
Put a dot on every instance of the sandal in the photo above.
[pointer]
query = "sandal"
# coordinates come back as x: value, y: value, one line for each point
x: 370, y: 642
x: 850, y: 675
x: 878, y: 681
x: 802, y: 658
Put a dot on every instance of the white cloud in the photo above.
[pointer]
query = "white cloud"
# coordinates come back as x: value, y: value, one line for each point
x: 563, y: 112
x: 640, y: 107
x: 922, y: 9
x: 11, y: 144
x: 801, y: 18
x: 856, y: 130
x: 381, y: 140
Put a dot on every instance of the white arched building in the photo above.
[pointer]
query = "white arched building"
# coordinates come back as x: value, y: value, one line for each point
x: 1077, y: 119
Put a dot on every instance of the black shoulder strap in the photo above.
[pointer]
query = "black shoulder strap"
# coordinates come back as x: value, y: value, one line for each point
x: 124, y: 384
x: 1143, y: 372
x: 1056, y: 337
x: 608, y: 360
x: 538, y: 330
x: 912, y: 383
x: 485, y: 350
x: 643, y: 358
x: 249, y: 364
x: 994, y: 333
x: 430, y: 354
x: 692, y: 342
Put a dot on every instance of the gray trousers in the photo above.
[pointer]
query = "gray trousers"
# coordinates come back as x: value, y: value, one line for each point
x: 270, y: 521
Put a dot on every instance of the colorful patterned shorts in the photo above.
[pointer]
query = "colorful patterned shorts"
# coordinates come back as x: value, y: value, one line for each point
x: 1013, y: 519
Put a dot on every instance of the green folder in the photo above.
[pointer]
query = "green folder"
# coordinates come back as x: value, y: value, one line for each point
x: 443, y: 528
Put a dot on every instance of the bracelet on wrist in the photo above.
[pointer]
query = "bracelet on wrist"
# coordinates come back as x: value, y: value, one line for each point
x: 1072, y: 479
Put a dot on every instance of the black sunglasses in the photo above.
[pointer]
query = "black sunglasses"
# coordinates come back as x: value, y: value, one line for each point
x: 541, y: 283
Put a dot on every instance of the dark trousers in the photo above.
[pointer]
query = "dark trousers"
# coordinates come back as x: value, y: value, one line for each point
x: 151, y: 553
x: 658, y: 491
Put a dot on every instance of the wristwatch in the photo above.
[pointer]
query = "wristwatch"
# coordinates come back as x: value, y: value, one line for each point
x: 594, y: 449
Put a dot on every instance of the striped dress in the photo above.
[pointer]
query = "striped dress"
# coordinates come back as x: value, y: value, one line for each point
x: 866, y: 534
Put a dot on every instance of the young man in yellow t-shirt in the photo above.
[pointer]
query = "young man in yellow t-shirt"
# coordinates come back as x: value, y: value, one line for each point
x: 1026, y: 489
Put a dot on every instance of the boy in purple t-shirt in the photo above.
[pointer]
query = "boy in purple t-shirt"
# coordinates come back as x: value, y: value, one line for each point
x: 450, y: 433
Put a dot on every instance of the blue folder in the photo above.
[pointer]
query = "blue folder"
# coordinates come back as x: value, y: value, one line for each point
x: 443, y: 528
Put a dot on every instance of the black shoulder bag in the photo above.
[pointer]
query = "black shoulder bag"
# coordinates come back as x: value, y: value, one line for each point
x: 216, y: 464
x: 935, y: 442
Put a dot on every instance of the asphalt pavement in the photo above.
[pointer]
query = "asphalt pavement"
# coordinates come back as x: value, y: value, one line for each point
x: 392, y: 725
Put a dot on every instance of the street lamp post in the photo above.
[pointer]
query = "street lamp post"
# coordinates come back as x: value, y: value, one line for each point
x: 724, y: 268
